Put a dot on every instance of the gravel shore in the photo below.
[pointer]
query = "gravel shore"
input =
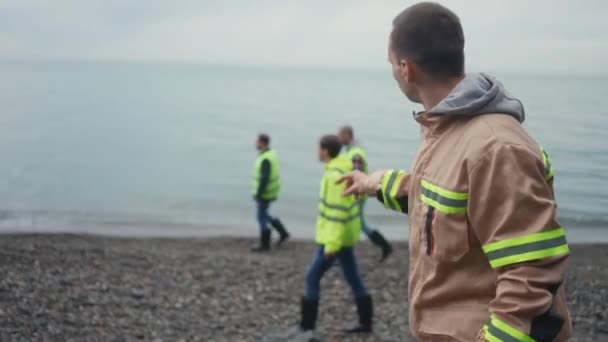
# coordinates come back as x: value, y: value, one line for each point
x: 89, y: 288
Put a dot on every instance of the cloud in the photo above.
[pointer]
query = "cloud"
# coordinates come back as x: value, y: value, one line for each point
x: 516, y: 35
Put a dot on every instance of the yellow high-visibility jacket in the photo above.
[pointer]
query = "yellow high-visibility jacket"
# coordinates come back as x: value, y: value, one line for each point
x: 273, y: 187
x: 338, y: 222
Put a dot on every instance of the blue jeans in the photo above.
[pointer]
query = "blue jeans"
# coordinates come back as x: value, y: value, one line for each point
x: 364, y: 227
x: 320, y: 265
x: 262, y: 215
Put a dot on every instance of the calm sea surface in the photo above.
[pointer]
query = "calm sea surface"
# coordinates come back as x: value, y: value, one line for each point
x: 168, y: 149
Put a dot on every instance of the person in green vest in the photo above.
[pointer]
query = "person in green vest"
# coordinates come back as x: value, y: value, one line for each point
x: 266, y: 188
x: 337, y: 232
x: 358, y: 156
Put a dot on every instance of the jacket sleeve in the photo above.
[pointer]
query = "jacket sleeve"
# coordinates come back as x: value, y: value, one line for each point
x: 393, y: 190
x: 264, y: 178
x: 512, y: 212
x: 337, y: 212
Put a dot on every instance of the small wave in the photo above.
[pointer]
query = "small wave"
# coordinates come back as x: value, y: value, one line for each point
x: 106, y: 223
x: 582, y: 221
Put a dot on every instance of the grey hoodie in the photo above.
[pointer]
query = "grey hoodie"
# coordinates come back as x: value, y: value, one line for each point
x: 479, y: 94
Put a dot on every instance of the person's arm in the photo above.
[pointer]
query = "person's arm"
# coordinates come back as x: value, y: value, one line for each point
x: 513, y: 214
x: 264, y: 179
x: 390, y: 187
x: 393, y: 190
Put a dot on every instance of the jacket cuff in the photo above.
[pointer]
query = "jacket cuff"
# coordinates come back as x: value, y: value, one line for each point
x: 497, y: 330
x: 389, y: 187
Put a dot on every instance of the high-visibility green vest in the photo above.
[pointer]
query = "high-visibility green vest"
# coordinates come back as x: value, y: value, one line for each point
x: 354, y: 151
x: 339, y: 219
x: 274, y: 184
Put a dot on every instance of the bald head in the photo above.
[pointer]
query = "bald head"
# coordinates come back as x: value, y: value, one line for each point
x: 346, y: 135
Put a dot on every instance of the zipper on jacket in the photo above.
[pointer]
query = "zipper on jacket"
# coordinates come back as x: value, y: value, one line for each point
x: 429, y: 230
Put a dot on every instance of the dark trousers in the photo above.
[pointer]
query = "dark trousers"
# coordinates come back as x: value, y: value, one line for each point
x: 348, y: 263
x: 365, y: 228
x: 264, y: 219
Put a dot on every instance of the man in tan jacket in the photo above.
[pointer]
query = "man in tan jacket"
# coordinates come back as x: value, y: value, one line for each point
x: 487, y: 255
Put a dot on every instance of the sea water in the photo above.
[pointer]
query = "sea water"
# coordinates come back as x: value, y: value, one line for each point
x: 168, y: 149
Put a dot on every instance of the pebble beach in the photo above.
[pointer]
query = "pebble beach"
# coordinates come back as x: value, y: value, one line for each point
x: 58, y: 287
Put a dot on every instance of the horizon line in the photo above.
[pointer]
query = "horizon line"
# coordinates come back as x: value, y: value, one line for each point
x: 319, y: 67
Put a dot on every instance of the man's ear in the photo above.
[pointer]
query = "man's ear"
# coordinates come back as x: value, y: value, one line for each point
x: 407, y: 71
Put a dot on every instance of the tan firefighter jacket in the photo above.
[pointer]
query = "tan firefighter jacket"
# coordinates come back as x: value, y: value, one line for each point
x: 487, y: 254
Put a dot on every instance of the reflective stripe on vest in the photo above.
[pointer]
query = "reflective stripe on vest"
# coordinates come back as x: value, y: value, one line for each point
x: 446, y: 201
x: 274, y: 184
x: 527, y: 248
x: 338, y: 212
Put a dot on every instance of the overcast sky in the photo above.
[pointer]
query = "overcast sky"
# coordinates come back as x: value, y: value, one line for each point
x: 507, y: 35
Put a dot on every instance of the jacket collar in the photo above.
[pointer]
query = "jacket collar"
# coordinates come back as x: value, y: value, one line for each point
x: 338, y: 163
x: 433, y: 124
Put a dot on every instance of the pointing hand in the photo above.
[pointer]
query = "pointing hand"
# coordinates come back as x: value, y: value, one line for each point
x: 359, y: 184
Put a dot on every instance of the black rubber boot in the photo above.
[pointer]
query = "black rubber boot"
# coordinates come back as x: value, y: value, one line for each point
x: 280, y: 228
x: 366, y: 313
x: 310, y: 309
x: 264, y: 245
x: 379, y: 240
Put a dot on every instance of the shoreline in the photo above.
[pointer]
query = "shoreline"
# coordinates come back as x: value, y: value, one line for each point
x: 578, y: 236
x: 75, y: 286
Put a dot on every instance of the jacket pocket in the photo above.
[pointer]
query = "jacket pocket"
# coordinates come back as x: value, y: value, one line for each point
x: 428, y: 229
x: 445, y: 223
x: 452, y: 324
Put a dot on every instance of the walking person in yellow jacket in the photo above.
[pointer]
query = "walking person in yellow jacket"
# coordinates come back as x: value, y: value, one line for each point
x: 266, y: 189
x: 338, y: 229
x: 358, y: 156
x: 487, y: 255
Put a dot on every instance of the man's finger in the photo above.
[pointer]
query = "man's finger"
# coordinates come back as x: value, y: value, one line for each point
x: 349, y: 191
x: 348, y: 178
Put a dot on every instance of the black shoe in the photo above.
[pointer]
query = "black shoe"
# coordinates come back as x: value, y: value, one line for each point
x: 280, y: 228
x: 264, y: 245
x: 309, y: 311
x: 366, y: 312
x: 379, y: 240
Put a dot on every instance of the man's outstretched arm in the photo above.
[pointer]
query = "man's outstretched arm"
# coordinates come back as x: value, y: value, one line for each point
x: 389, y: 186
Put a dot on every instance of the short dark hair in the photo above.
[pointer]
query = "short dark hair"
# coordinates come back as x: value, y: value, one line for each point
x: 431, y: 36
x: 348, y: 129
x: 265, y: 138
x: 331, y: 143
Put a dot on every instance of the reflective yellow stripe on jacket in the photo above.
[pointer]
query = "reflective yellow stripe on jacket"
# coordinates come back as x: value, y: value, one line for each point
x: 390, y: 187
x: 446, y: 201
x: 547, y: 163
x: 527, y: 248
x: 338, y: 213
x: 498, y: 331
